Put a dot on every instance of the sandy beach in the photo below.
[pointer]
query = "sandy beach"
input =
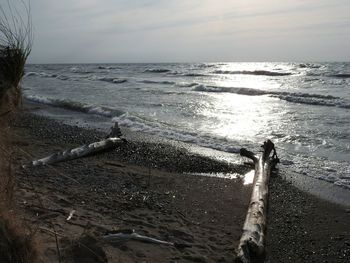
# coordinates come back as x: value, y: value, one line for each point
x: 122, y: 189
x: 145, y: 187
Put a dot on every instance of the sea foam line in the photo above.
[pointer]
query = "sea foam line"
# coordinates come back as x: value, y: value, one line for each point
x: 136, y: 123
x: 295, y: 97
x: 75, y: 106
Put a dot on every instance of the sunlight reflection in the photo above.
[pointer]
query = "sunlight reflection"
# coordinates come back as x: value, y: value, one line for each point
x: 249, y: 177
x: 225, y: 78
x: 241, y: 117
x: 259, y: 82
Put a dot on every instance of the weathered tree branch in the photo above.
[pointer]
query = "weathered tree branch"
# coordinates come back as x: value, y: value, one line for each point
x: 82, y: 151
x: 251, y: 246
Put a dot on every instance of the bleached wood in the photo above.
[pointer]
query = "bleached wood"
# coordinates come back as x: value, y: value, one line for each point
x: 251, y: 246
x: 79, y: 152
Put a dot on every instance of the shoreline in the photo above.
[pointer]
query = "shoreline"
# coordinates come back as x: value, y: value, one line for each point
x: 319, y: 188
x: 310, y: 224
x: 142, y: 186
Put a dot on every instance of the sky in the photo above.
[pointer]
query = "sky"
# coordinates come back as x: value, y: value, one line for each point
x: 102, y: 31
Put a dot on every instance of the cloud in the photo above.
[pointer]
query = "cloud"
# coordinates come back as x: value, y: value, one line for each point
x: 155, y: 30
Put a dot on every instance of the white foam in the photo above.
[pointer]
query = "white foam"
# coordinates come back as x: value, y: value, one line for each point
x: 142, y: 125
x: 99, y: 111
x: 157, y: 70
x: 109, y: 79
x: 186, y: 84
x: 39, y: 99
x: 76, y: 106
x: 295, y: 97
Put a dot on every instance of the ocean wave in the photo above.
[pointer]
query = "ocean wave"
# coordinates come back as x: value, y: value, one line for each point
x: 194, y: 75
x: 30, y: 74
x: 76, y: 106
x: 309, y: 100
x: 308, y: 65
x: 313, y: 74
x: 157, y: 70
x: 40, y: 74
x: 46, y: 75
x: 80, y: 70
x: 184, y: 74
x: 139, y: 124
x: 106, y: 67
x: 166, y: 82
x: 63, y: 77
x: 186, y: 85
x: 111, y: 80
x: 340, y: 75
x: 295, y: 97
x: 147, y: 81
x: 253, y: 72
x: 236, y: 90
x: 207, y: 65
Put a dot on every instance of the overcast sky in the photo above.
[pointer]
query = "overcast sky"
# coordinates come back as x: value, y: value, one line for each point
x: 190, y: 30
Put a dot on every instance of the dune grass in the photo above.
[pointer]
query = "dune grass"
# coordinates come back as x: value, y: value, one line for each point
x: 16, y: 40
x: 17, y: 243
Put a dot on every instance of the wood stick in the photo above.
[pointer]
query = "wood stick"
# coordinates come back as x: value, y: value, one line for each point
x: 251, y: 246
x: 79, y: 152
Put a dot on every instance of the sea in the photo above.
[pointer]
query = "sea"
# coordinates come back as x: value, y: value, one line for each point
x: 304, y: 108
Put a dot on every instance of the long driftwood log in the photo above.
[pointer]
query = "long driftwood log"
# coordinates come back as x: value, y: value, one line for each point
x: 78, y: 152
x: 251, y: 246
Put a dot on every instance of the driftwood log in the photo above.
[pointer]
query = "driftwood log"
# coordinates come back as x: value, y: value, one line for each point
x: 251, y: 246
x: 87, y: 149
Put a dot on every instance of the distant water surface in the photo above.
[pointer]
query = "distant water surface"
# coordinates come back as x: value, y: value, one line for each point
x: 303, y: 107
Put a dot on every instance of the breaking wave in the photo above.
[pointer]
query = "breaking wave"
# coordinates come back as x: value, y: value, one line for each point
x: 186, y: 85
x: 166, y: 82
x: 80, y: 70
x: 157, y: 70
x: 106, y: 67
x: 76, y: 106
x: 236, y: 90
x: 183, y: 74
x: 45, y: 75
x: 309, y: 65
x: 254, y: 72
x: 136, y: 123
x: 205, y: 65
x: 139, y: 124
x: 295, y: 97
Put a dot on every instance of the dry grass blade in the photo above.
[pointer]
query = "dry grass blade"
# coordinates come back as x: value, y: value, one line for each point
x: 16, y: 40
x: 57, y: 245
